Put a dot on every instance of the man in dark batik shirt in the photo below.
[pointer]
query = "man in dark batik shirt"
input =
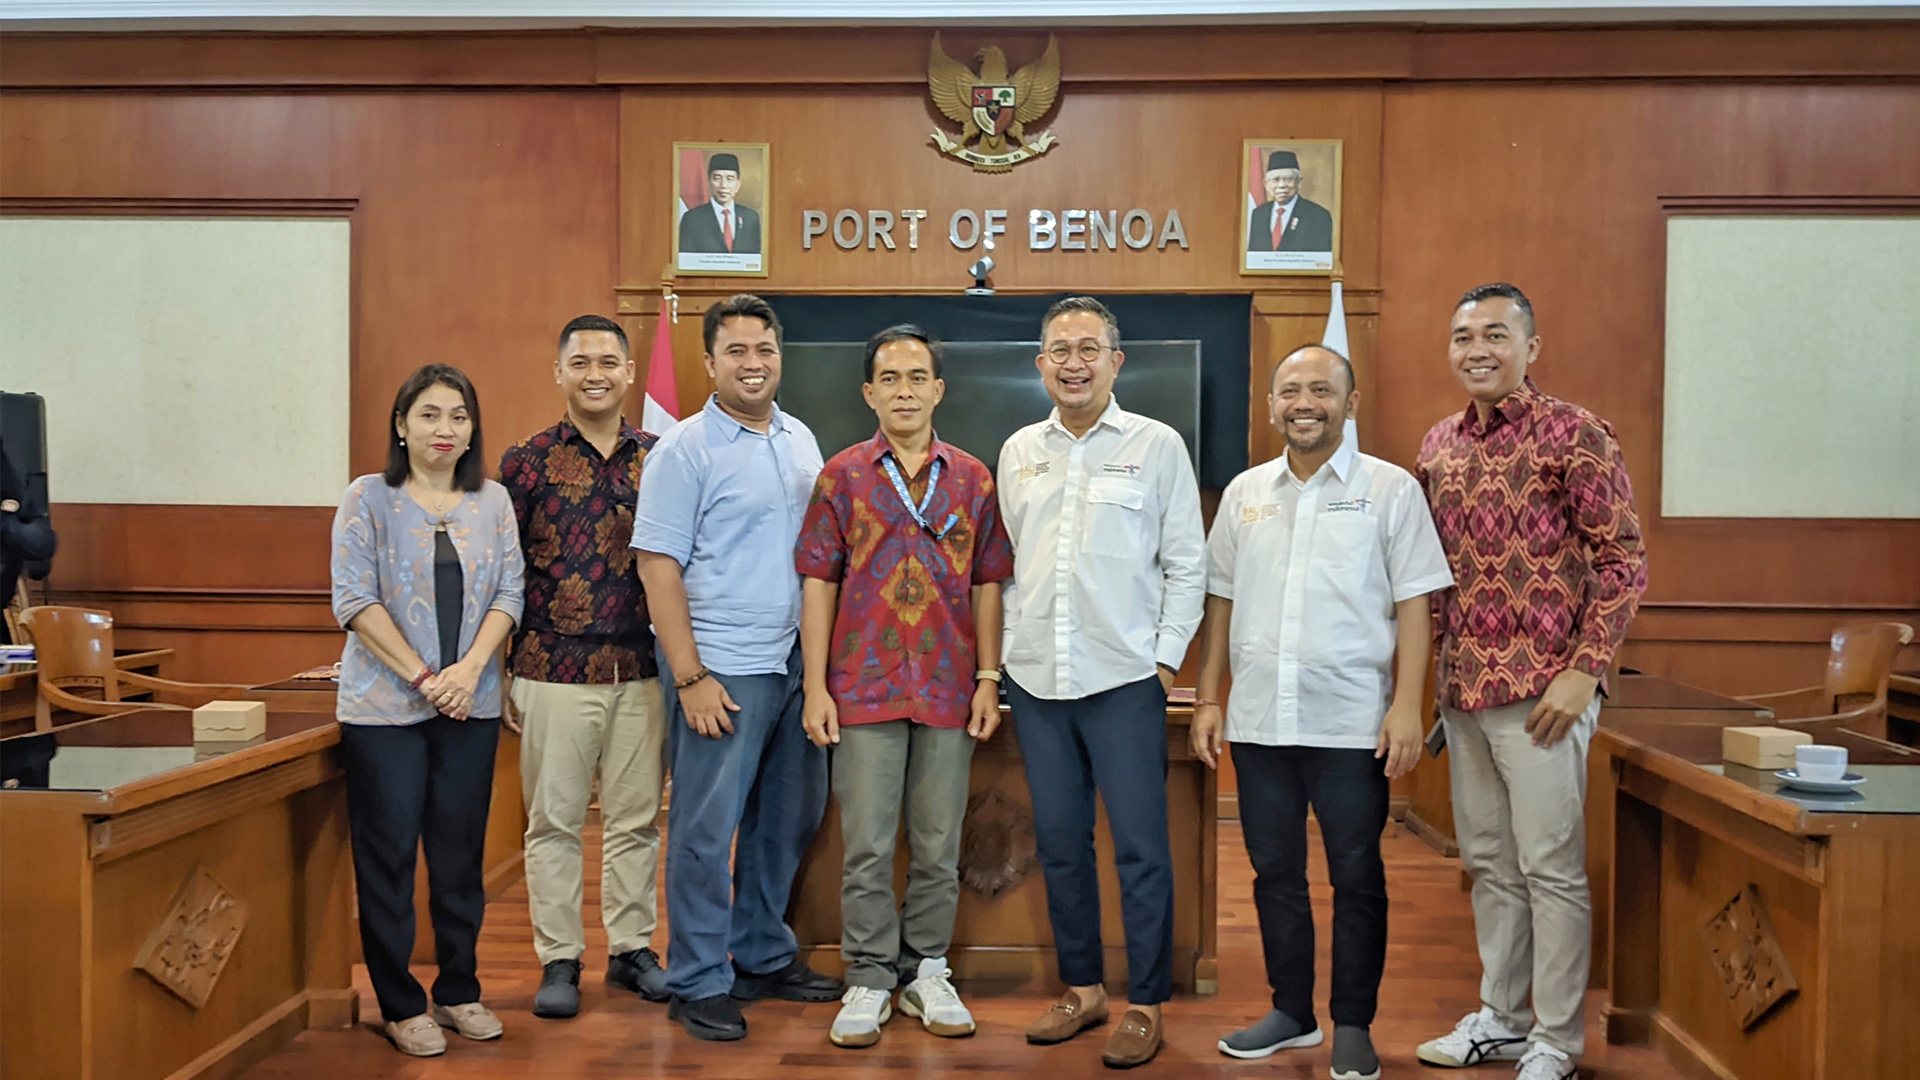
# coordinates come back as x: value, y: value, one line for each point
x: 585, y: 683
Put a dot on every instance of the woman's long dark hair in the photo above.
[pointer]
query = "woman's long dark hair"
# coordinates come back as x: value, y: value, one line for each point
x: 468, y: 473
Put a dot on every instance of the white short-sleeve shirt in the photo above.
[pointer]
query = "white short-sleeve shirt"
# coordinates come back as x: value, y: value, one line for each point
x: 1314, y: 570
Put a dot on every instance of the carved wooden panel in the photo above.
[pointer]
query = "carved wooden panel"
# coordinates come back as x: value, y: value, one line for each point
x: 191, y: 946
x: 998, y: 849
x: 1747, y: 956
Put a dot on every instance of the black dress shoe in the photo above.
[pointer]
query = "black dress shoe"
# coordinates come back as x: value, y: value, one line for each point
x: 640, y: 972
x: 715, y: 1019
x: 795, y: 982
x: 559, y: 993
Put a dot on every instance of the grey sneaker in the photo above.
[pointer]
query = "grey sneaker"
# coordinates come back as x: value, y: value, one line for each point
x: 640, y: 972
x: 1353, y: 1056
x: 559, y: 993
x: 1270, y: 1034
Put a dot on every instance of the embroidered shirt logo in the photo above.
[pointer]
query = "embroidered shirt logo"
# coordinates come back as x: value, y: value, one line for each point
x: 1120, y: 470
x: 1253, y: 514
x: 1028, y: 472
x: 1351, y: 506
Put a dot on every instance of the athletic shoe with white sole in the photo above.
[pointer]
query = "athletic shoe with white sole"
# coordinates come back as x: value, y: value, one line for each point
x: 863, y: 1010
x: 1543, y: 1062
x: 931, y: 999
x: 1476, y: 1039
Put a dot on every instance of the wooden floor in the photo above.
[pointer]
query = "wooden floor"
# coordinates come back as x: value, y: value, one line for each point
x: 1432, y: 979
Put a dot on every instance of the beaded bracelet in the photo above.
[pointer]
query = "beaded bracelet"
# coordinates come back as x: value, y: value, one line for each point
x: 690, y: 680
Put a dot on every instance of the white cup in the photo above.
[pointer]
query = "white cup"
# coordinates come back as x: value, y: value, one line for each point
x: 1816, y: 762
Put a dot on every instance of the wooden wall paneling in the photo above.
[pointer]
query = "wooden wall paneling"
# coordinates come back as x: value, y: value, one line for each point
x: 45, y: 987
x: 1119, y: 149
x: 68, y: 61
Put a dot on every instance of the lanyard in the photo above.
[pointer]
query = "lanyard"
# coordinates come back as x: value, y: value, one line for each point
x: 906, y: 498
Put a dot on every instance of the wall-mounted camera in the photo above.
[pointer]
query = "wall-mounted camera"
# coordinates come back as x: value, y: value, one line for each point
x: 979, y: 271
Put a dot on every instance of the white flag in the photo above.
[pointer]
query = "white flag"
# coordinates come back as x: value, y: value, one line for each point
x: 1335, y: 337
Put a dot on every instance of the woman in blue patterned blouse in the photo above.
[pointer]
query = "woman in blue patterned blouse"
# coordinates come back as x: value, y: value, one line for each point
x: 427, y: 579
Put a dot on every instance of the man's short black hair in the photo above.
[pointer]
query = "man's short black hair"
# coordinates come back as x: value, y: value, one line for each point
x: 593, y: 324
x: 739, y: 305
x: 1499, y: 288
x: 1328, y: 349
x: 903, y: 332
x: 1071, y: 304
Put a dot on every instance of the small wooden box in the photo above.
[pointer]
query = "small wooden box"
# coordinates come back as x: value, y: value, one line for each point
x: 231, y: 721
x: 1761, y: 747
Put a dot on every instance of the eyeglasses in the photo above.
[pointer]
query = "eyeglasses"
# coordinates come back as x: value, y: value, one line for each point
x: 1087, y: 351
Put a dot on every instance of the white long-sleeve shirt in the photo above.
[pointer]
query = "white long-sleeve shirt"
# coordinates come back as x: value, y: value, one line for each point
x: 1109, y: 553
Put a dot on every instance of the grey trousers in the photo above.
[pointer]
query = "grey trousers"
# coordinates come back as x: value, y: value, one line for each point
x: 1519, y: 811
x: 878, y: 768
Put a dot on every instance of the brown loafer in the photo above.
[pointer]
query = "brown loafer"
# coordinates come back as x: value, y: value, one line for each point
x: 1134, y: 1042
x: 1066, y: 1019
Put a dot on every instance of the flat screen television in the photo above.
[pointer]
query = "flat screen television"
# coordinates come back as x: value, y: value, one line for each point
x: 993, y: 390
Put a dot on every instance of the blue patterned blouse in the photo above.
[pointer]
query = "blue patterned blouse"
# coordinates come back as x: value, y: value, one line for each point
x: 383, y: 554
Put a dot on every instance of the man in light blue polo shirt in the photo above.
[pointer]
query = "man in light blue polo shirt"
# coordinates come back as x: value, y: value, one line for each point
x: 721, y: 501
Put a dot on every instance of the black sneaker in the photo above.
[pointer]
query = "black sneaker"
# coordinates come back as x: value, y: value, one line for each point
x: 640, y: 972
x: 559, y: 993
x: 715, y: 1019
x: 795, y: 982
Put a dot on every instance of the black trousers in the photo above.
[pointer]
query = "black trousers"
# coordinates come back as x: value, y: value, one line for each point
x: 423, y: 784
x: 1348, y: 792
x: 1114, y: 742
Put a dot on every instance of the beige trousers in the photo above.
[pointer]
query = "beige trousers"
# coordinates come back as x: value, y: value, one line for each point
x: 1519, y: 812
x: 571, y: 733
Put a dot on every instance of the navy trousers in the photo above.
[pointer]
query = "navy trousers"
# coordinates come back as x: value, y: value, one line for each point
x: 766, y: 782
x: 1348, y: 792
x: 1114, y: 742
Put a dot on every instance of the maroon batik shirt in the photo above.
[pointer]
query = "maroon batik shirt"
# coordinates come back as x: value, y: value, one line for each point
x: 586, y: 616
x: 1536, y: 514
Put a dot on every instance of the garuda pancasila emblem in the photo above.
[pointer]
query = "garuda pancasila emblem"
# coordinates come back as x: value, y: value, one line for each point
x: 993, y: 107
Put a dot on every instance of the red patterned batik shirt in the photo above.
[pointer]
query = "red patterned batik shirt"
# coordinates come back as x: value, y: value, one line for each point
x: 586, y: 617
x: 1536, y: 514
x: 903, y: 644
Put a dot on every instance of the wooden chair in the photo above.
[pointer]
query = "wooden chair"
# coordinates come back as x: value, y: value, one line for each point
x: 73, y: 649
x: 1855, y: 693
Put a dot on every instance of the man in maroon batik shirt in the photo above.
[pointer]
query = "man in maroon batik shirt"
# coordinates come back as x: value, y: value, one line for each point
x: 1535, y: 511
x: 903, y: 555
x: 584, y: 678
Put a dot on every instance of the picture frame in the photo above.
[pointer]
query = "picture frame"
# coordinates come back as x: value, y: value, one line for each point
x: 720, y: 224
x: 1305, y: 176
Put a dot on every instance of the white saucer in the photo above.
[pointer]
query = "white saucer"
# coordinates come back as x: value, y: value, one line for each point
x: 1831, y: 787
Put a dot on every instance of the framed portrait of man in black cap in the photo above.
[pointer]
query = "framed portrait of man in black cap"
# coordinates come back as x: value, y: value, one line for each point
x: 719, y: 191
x: 1290, y: 206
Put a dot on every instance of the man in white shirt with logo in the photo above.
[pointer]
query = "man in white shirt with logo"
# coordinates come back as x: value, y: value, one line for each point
x: 1319, y: 566
x: 1109, y: 581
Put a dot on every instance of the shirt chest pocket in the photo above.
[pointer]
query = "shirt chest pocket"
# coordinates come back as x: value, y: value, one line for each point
x: 1117, y: 519
x: 1346, y: 548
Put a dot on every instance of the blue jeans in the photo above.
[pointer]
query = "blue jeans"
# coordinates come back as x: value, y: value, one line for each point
x: 769, y: 783
x: 1116, y: 742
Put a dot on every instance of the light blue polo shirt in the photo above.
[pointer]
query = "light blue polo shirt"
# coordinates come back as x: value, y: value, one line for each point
x: 727, y: 502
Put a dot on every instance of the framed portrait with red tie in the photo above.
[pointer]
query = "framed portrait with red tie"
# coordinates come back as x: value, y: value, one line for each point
x: 719, y: 195
x: 1290, y: 206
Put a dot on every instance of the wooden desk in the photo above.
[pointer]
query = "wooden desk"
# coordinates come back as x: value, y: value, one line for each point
x: 107, y: 866
x: 505, y: 859
x: 1690, y: 835
x: 1903, y: 707
x: 1008, y: 937
x: 1430, y: 793
x: 20, y: 685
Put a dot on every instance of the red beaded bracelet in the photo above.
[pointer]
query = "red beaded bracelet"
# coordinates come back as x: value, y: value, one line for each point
x: 425, y: 674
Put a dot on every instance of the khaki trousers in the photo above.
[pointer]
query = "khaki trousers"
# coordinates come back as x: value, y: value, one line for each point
x: 878, y: 769
x: 1519, y: 812
x: 571, y: 733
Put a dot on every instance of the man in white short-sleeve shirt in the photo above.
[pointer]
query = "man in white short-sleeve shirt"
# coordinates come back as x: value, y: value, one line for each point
x: 1319, y: 565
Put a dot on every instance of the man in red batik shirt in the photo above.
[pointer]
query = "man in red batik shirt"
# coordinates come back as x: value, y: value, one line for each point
x: 903, y: 554
x: 1535, y: 512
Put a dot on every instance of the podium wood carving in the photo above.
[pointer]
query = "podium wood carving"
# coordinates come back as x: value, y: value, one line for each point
x: 191, y: 946
x: 998, y: 849
x: 1747, y: 955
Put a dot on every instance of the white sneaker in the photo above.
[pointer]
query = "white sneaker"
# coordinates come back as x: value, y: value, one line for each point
x: 862, y: 1010
x: 1477, y: 1038
x: 1543, y: 1062
x: 473, y: 1020
x: 417, y: 1035
x: 932, y: 998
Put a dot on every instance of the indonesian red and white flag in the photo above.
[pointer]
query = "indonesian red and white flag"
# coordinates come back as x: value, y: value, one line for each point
x: 662, y: 408
x: 1335, y: 337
